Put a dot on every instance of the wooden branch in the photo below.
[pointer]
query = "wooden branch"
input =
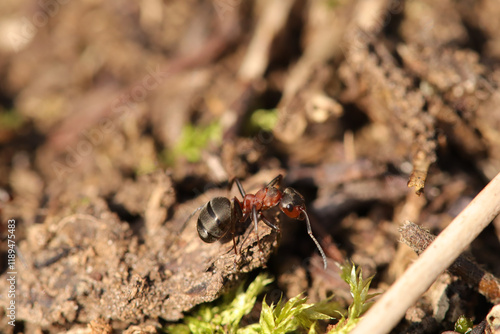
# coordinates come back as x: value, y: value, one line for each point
x: 441, y: 253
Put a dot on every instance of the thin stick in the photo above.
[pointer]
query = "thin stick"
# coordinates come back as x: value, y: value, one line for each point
x: 441, y: 253
x: 486, y: 283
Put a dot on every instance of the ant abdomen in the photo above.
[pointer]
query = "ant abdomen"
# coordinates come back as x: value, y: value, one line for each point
x: 214, y: 220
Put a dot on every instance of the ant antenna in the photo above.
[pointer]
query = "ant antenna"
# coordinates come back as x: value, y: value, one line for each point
x: 189, y: 218
x: 309, y: 231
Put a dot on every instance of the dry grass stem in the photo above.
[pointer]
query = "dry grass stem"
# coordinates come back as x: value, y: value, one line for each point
x: 486, y: 283
x: 437, y: 257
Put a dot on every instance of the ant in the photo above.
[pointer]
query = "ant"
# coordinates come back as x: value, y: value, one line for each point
x: 220, y: 214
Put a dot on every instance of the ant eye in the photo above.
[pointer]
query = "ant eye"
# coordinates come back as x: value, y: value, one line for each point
x: 289, y: 207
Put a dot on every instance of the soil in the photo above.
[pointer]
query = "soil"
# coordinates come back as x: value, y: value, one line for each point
x: 119, y: 119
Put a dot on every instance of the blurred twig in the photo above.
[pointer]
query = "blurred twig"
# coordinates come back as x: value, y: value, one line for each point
x: 271, y: 22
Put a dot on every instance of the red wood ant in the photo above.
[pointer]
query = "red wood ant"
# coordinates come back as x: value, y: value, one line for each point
x: 220, y: 214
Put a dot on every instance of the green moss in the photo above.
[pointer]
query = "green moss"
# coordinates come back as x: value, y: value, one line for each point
x: 295, y: 314
x: 359, y: 291
x: 194, y: 139
x: 284, y: 317
x: 463, y: 325
x: 264, y: 119
x: 10, y: 120
x: 223, y: 316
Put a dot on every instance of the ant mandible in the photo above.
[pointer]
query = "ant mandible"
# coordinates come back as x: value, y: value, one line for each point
x: 220, y: 214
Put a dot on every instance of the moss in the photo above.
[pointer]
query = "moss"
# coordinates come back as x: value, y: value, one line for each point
x: 10, y: 120
x: 264, y: 119
x: 194, y: 139
x: 463, y: 325
x: 284, y: 317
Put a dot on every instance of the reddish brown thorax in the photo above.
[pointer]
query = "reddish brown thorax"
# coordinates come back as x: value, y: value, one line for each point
x: 264, y: 199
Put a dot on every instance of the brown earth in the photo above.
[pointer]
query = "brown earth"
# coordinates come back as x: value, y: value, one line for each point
x: 104, y: 153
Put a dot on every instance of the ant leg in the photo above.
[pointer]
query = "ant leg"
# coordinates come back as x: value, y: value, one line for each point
x: 255, y: 222
x: 240, y: 187
x: 309, y: 231
x: 236, y: 216
x: 268, y: 223
x: 234, y: 238
x: 276, y: 180
x: 271, y: 225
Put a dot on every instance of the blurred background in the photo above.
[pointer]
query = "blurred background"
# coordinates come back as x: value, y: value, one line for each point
x: 376, y: 111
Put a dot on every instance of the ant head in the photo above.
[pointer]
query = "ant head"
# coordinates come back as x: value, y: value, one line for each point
x: 293, y: 204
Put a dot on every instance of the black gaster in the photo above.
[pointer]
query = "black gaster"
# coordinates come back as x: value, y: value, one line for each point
x: 214, y: 220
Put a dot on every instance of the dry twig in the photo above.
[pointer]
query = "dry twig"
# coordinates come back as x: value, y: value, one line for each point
x: 486, y: 283
x: 440, y: 254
